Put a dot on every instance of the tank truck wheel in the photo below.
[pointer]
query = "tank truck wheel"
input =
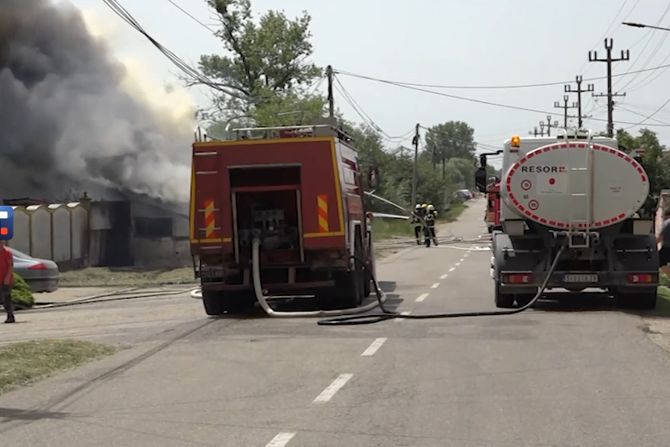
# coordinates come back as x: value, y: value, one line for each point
x: 523, y: 299
x: 503, y: 300
x: 643, y: 300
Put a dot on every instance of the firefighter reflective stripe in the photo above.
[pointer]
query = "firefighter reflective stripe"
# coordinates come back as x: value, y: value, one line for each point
x: 210, y: 219
x: 322, y: 203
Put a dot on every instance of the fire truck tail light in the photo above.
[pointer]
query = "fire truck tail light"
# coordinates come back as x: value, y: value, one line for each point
x: 518, y: 278
x: 641, y: 278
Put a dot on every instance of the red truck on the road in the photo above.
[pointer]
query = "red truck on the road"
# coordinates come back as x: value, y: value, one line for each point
x: 299, y: 192
x: 493, y: 206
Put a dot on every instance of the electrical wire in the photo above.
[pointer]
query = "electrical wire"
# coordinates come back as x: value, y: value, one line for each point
x: 494, y: 87
x: 194, y: 18
x: 366, y: 117
x: 619, y: 106
x: 189, y: 71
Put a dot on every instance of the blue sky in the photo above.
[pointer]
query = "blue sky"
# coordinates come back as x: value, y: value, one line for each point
x: 455, y: 42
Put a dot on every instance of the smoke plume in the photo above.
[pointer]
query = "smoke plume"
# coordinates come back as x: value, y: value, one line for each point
x: 66, y: 123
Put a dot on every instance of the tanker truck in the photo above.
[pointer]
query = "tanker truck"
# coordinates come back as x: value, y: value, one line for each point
x: 581, y: 194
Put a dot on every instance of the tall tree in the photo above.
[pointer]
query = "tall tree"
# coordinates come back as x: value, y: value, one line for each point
x: 453, y: 139
x: 264, y: 69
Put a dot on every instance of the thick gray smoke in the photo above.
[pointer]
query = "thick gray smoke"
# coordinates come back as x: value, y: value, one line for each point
x: 66, y: 125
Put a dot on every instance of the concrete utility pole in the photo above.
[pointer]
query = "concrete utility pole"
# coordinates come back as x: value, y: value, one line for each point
x: 579, y: 91
x: 331, y: 100
x: 549, y: 125
x: 565, y: 108
x: 415, y: 142
x: 593, y: 57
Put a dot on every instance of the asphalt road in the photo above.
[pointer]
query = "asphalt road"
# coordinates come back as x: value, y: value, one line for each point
x: 560, y: 375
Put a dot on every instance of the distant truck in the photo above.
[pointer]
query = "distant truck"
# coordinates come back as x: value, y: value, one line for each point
x: 493, y: 206
x: 579, y: 192
x: 297, y: 190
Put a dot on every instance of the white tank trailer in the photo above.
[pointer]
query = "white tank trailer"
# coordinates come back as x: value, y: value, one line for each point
x: 581, y: 192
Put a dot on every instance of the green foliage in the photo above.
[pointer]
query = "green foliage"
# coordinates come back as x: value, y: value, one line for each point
x: 22, y: 296
x: 654, y: 161
x: 264, y: 70
x: 453, y: 139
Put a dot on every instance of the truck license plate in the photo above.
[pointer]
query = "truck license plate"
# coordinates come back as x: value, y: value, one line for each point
x: 580, y: 278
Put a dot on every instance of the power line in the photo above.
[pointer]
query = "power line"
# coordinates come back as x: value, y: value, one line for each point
x: 365, y: 117
x: 489, y: 103
x: 641, y: 114
x: 195, y: 19
x: 495, y: 87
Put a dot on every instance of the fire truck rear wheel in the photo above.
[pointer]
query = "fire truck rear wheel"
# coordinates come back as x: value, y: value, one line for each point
x: 503, y: 300
x: 218, y: 303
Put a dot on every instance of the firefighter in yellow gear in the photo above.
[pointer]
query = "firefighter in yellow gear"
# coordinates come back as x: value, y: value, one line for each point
x: 429, y: 219
x: 417, y: 223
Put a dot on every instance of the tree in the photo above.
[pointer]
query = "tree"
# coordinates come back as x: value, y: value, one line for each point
x: 264, y: 71
x: 453, y: 139
x: 655, y: 161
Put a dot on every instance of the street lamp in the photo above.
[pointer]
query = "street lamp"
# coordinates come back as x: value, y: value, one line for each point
x: 642, y: 25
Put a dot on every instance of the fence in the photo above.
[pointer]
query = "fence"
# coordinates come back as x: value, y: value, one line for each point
x: 58, y: 232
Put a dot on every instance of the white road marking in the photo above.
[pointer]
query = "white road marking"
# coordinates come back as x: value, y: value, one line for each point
x: 333, y: 388
x: 281, y: 439
x: 452, y: 269
x: 421, y: 297
x: 467, y: 253
x: 398, y: 320
x: 435, y: 285
x: 374, y: 347
x: 444, y: 276
x: 462, y: 259
x: 457, y: 264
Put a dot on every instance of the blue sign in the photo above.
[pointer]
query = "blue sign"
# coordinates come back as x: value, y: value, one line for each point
x: 6, y: 223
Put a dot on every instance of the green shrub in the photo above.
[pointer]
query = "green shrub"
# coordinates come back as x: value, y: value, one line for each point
x: 22, y: 296
x: 663, y: 280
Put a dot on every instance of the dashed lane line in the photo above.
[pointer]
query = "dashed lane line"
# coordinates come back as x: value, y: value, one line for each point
x: 421, y: 297
x: 444, y: 276
x: 398, y: 320
x: 281, y: 439
x: 452, y: 269
x: 435, y: 285
x: 374, y: 347
x: 333, y: 388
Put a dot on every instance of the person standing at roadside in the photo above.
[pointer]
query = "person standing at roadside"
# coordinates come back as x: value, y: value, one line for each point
x: 663, y: 238
x: 6, y: 280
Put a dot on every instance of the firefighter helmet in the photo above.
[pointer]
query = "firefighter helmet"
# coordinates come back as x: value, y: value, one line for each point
x: 431, y: 208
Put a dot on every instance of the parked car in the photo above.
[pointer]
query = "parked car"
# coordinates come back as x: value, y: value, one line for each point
x: 41, y: 275
x: 464, y: 194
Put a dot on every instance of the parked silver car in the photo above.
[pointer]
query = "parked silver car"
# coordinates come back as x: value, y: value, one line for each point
x: 41, y: 275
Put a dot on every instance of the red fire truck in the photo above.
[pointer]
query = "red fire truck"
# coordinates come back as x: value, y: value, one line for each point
x: 296, y: 190
x: 493, y: 206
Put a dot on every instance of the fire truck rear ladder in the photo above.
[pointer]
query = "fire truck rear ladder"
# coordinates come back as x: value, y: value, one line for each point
x: 579, y: 234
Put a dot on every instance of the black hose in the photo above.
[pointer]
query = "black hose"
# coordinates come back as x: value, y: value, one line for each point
x: 389, y: 315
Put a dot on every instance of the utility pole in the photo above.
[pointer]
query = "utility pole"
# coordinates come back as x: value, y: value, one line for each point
x: 549, y: 125
x: 565, y: 108
x: 331, y: 100
x: 593, y: 57
x: 415, y: 142
x: 541, y: 128
x: 579, y: 91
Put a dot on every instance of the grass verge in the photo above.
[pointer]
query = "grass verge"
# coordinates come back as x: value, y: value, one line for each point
x: 454, y: 212
x: 387, y: 228
x: 26, y: 362
x: 663, y: 301
x: 128, y: 277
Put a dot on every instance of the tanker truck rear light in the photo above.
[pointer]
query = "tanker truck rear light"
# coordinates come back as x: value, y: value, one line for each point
x: 641, y: 278
x: 516, y: 141
x: 518, y: 278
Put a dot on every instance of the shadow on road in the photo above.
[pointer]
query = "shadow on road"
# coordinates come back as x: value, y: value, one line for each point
x: 18, y: 414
